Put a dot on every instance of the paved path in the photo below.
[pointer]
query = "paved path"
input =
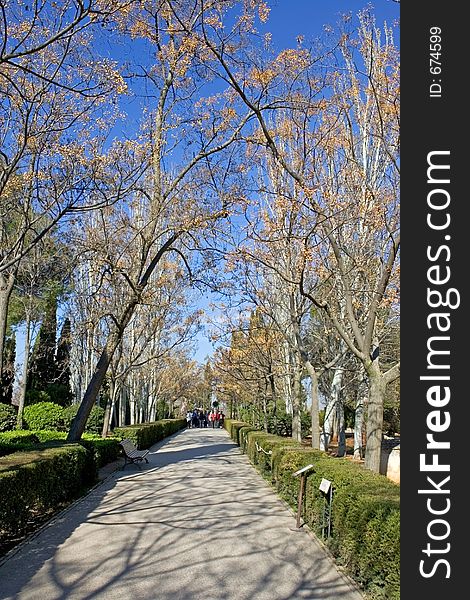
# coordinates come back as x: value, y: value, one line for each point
x: 197, y: 523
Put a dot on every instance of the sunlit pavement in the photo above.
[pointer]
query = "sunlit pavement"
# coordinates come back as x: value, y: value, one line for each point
x: 197, y: 522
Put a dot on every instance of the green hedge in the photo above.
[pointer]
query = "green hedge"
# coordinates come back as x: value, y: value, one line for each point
x: 267, y: 442
x: 243, y: 435
x: 13, y: 441
x: 233, y: 427
x: 104, y: 451
x: 31, y: 483
x: 43, y: 415
x: 365, y: 534
x: 145, y: 435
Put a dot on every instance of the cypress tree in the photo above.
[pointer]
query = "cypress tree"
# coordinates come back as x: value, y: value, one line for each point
x: 8, y: 371
x: 43, y: 369
x: 63, y: 357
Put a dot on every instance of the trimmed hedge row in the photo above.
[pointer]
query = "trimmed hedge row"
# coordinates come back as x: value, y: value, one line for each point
x: 145, y: 435
x: 33, y: 482
x: 13, y: 441
x: 104, y: 450
x: 365, y: 534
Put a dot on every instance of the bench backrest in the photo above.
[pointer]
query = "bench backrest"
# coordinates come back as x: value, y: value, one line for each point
x: 128, y: 446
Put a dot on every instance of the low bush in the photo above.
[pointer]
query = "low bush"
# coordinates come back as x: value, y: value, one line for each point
x: 7, y: 417
x: 260, y: 447
x: 243, y: 436
x: 233, y: 427
x: 48, y: 435
x: 104, y: 450
x: 145, y: 435
x: 43, y: 415
x: 33, y: 482
x: 13, y: 441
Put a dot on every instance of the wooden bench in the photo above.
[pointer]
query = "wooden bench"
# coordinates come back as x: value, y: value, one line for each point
x: 131, y: 454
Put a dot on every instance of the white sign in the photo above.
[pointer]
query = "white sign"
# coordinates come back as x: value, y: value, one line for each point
x: 325, y: 486
x: 300, y: 471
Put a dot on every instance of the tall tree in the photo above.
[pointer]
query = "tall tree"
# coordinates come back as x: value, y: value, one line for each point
x: 183, y: 196
x: 346, y: 169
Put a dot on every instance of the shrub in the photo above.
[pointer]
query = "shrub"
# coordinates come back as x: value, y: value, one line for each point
x: 145, y: 435
x: 260, y: 447
x: 104, y: 451
x: 95, y: 420
x: 233, y: 427
x: 34, y: 482
x: 48, y: 435
x: 7, y: 417
x: 13, y: 441
x: 243, y: 436
x: 59, y: 393
x: 281, y: 424
x: 44, y: 415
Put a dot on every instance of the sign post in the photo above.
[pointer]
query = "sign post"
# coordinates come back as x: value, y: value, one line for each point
x: 303, y: 476
x: 326, y: 488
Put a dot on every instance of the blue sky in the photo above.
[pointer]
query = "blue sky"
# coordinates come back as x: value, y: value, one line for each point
x: 290, y: 18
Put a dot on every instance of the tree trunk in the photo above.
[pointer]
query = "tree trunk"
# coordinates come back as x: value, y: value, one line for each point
x: 78, y: 424
x: 265, y: 407
x: 122, y: 405
x: 24, y: 378
x: 330, y: 421
x: 6, y: 288
x: 315, y: 409
x: 359, y: 420
x: 374, y: 419
x: 341, y: 427
x: 132, y: 404
x: 108, y: 412
x: 296, y: 423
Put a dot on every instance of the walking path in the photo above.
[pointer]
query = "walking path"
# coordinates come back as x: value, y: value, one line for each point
x: 196, y: 523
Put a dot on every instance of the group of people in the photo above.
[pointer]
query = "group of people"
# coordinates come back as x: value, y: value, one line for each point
x: 201, y: 418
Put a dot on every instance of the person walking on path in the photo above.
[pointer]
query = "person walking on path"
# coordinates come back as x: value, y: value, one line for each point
x: 202, y: 418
